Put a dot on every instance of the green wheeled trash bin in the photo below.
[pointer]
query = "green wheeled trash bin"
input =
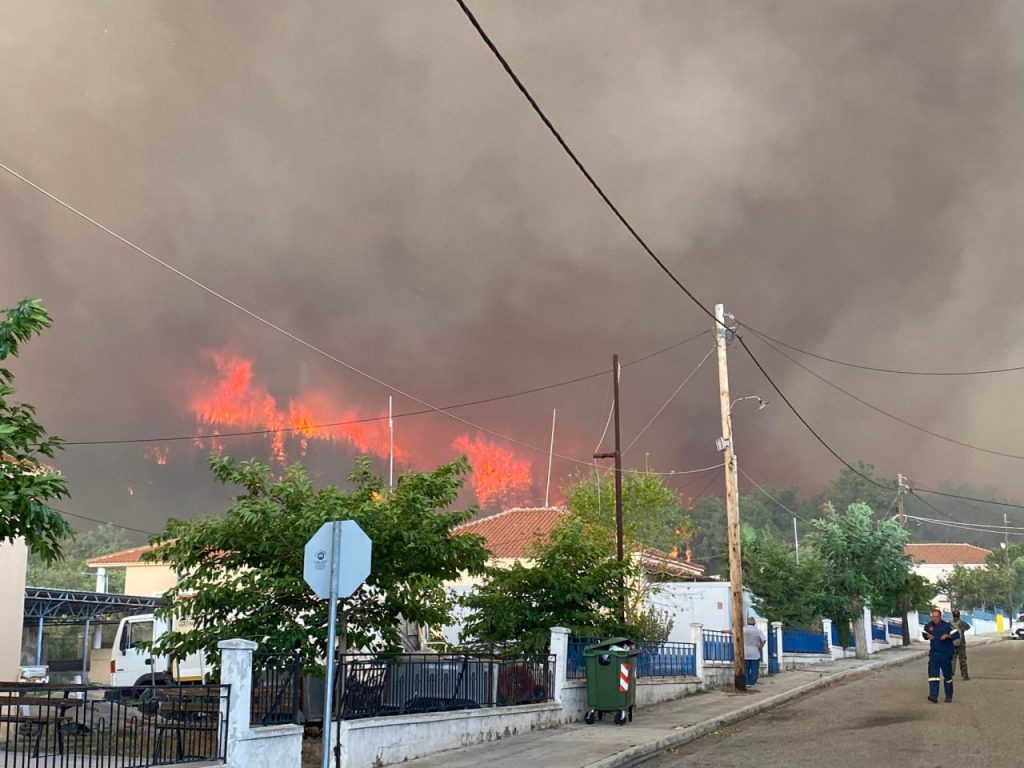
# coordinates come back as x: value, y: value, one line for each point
x: 611, y: 679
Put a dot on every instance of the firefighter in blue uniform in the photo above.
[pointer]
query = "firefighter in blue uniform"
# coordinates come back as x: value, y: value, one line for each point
x: 944, y: 638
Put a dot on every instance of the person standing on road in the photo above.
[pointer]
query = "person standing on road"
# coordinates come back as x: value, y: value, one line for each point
x: 753, y: 642
x: 943, y: 637
x: 961, y: 651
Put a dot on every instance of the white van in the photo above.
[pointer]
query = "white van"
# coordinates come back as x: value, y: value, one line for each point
x: 132, y: 666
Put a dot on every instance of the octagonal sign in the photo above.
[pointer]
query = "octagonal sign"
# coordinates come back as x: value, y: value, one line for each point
x: 352, y: 558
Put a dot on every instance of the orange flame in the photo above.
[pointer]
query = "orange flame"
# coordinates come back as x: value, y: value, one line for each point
x: 233, y: 400
x: 157, y: 454
x: 497, y: 473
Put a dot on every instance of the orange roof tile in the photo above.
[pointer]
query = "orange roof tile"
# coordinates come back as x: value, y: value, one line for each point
x: 510, y: 533
x: 124, y: 557
x: 947, y: 554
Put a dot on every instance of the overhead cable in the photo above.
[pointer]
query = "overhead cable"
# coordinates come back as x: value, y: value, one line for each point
x: 671, y: 397
x: 873, y: 407
x: 368, y: 419
x: 877, y: 369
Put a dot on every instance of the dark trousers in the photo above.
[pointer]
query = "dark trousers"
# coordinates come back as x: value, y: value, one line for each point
x: 940, y: 668
x: 961, y: 656
x: 752, y: 670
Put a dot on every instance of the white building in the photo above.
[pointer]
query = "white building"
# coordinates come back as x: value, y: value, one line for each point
x: 936, y: 561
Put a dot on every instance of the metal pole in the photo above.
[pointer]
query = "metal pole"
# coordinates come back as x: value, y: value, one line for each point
x: 1010, y: 612
x: 551, y: 455
x: 732, y: 502
x: 904, y: 606
x: 39, y: 643
x: 796, y: 542
x: 618, y: 465
x: 332, y: 629
x: 85, y: 653
x: 391, y: 445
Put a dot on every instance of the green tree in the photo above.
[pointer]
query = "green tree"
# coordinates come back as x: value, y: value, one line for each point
x: 878, y: 492
x: 651, y: 512
x: 573, y: 583
x: 26, y: 484
x: 1000, y: 582
x: 864, y: 561
x: 70, y: 572
x: 241, y: 573
x: 782, y: 589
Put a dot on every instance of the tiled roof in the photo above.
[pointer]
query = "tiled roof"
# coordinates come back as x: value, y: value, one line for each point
x: 947, y: 554
x: 124, y: 557
x: 510, y: 533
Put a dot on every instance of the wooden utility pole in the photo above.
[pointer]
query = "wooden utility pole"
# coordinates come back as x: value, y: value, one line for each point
x: 901, y: 487
x: 617, y: 455
x: 732, y: 501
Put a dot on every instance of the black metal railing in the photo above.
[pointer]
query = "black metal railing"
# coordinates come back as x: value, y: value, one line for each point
x: 367, y: 686
x: 103, y: 727
x: 275, y: 690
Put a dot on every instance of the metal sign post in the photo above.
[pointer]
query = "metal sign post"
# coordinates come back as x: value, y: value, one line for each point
x: 333, y: 578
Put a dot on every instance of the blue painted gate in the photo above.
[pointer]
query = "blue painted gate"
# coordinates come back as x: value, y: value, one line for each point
x: 773, y: 652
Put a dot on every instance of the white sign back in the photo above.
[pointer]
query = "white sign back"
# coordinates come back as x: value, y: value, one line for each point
x: 353, y: 559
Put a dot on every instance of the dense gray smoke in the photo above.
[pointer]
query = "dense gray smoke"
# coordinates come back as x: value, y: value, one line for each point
x: 843, y: 175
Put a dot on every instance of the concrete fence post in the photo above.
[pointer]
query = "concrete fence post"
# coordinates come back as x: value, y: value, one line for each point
x: 560, y: 650
x: 834, y: 651
x: 888, y: 640
x: 777, y: 629
x: 697, y: 638
x: 236, y: 671
x: 868, y: 625
x: 913, y: 625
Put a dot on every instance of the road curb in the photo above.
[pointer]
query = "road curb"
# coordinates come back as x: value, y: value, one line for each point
x: 641, y: 752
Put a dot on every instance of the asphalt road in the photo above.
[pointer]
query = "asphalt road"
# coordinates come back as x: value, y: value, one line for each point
x: 883, y: 718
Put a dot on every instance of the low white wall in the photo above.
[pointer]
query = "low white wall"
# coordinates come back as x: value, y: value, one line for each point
x: 791, y: 661
x: 274, y: 746
x: 376, y: 741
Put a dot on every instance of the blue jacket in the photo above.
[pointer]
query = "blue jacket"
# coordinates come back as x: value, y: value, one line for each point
x: 934, y: 631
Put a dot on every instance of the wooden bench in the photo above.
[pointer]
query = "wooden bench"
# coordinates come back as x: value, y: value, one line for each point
x: 191, y: 714
x: 38, y: 713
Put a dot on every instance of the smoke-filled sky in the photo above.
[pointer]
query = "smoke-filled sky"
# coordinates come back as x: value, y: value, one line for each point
x: 845, y: 176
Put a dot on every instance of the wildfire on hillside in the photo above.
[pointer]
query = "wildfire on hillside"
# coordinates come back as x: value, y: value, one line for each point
x: 233, y: 400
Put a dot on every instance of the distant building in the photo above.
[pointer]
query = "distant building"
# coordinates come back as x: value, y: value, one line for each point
x: 935, y: 562
x: 140, y: 578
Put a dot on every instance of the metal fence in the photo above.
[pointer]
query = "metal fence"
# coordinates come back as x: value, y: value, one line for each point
x: 878, y: 632
x: 103, y: 727
x: 275, y: 690
x: 835, y: 637
x: 413, y: 683
x: 667, y: 660
x: 895, y: 627
x: 575, y: 666
x: 717, y: 646
x: 804, y: 641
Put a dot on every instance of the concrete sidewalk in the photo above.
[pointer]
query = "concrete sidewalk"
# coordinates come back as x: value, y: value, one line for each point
x: 659, y: 727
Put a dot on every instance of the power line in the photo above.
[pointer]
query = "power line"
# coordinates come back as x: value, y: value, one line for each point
x: 105, y: 522
x: 804, y: 421
x: 897, y: 371
x: 956, y: 524
x: 779, y: 503
x: 636, y: 236
x: 877, y: 409
x: 284, y: 332
x: 368, y: 419
x: 669, y: 400
x: 576, y: 161
x: 968, y: 498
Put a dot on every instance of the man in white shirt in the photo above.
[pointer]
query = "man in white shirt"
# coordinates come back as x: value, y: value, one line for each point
x: 753, y: 642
